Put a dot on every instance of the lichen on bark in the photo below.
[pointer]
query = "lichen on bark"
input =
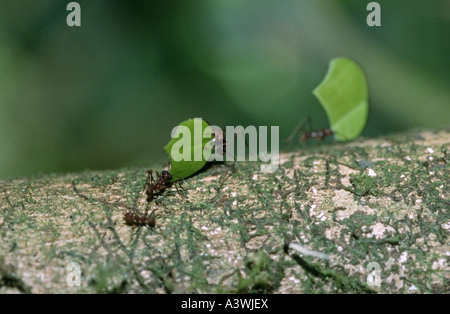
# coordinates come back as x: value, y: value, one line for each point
x: 378, y: 207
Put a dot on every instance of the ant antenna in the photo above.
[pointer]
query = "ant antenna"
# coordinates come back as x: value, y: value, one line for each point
x: 297, y: 129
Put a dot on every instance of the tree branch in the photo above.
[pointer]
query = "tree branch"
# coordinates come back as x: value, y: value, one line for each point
x: 378, y: 209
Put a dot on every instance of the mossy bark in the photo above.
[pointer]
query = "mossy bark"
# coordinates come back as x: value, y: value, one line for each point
x: 379, y: 208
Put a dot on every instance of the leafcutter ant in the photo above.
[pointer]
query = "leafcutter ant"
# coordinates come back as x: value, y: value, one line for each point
x: 136, y: 219
x: 317, y: 135
x: 153, y: 187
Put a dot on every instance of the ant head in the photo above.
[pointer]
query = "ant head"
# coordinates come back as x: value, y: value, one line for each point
x: 166, y: 175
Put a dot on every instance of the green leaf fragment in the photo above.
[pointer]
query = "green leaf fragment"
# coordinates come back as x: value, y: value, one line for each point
x: 344, y: 95
x: 181, y: 169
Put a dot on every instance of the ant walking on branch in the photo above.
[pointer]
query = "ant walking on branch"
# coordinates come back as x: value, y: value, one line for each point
x: 318, y: 135
x: 153, y: 187
x: 136, y: 219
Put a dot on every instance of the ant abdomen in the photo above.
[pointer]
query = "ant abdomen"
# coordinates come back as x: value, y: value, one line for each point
x: 135, y: 219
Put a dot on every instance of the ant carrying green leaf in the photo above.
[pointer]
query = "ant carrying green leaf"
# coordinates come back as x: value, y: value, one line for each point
x: 343, y: 93
x: 186, y: 161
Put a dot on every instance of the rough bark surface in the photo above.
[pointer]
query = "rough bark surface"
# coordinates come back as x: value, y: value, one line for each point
x: 379, y: 209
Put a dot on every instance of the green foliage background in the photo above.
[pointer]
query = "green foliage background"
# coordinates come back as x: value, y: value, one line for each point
x: 107, y: 94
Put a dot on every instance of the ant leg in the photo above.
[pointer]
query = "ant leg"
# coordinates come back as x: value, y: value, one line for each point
x: 228, y: 173
x: 223, y: 151
x: 309, y: 130
x: 152, y: 186
x: 297, y: 129
x: 144, y: 188
x: 309, y: 124
x: 178, y: 190
x: 147, y: 207
x: 231, y: 167
x: 149, y: 181
x: 151, y: 213
x: 177, y: 184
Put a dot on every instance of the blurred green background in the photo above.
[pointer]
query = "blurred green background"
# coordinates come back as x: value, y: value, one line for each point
x: 107, y: 94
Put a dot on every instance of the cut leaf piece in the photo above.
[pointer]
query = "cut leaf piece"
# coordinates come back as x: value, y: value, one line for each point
x: 187, y: 137
x: 344, y: 95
